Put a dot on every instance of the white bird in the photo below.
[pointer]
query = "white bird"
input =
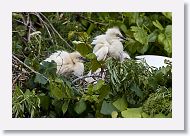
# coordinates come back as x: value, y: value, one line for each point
x: 109, y: 44
x: 115, y: 38
x: 154, y: 60
x: 68, y: 63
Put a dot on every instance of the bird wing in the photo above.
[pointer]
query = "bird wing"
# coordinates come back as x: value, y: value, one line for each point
x: 101, y: 53
x: 116, y: 50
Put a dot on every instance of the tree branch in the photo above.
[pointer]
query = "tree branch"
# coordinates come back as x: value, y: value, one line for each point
x: 56, y: 31
x: 92, y: 21
x: 29, y: 67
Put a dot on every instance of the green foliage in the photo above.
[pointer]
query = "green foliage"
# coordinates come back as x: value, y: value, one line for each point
x: 132, y: 113
x: 159, y: 103
x: 130, y: 89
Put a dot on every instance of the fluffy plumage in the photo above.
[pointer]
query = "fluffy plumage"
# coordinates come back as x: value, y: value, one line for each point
x: 68, y: 63
x: 109, y: 45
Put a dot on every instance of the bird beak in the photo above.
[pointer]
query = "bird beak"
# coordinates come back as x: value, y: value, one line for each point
x: 123, y: 38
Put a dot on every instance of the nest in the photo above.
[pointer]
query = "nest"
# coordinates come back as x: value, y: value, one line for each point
x: 19, y: 74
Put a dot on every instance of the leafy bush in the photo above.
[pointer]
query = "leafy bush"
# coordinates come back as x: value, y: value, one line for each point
x: 130, y: 89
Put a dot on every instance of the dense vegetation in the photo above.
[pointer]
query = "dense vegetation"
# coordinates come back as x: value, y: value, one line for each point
x: 130, y: 89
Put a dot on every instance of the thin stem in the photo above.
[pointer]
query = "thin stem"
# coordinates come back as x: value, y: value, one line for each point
x: 56, y: 31
x: 29, y: 67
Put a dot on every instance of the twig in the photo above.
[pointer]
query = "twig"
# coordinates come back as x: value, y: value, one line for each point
x: 45, y: 25
x: 82, y: 77
x: 92, y: 21
x: 16, y: 78
x: 56, y: 31
x: 29, y: 67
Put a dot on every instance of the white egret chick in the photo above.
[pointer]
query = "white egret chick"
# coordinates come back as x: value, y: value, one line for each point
x: 68, y: 63
x: 115, y: 38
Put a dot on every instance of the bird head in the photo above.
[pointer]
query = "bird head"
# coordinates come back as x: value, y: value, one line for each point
x: 114, y: 33
x: 77, y: 57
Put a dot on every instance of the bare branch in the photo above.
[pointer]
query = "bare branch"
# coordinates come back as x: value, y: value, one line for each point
x: 56, y: 31
x: 29, y: 67
x: 92, y: 21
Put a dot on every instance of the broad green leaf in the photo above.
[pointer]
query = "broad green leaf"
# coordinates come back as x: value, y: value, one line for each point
x: 90, y: 29
x: 94, y: 65
x: 132, y: 113
x: 123, y: 28
x: 40, y: 79
x: 158, y: 25
x: 104, y: 91
x: 107, y: 108
x: 166, y: 39
x: 98, y: 85
x: 83, y: 49
x: 140, y: 35
x: 80, y: 106
x: 133, y: 16
x: 65, y: 106
x: 121, y: 103
x: 91, y: 56
x: 137, y: 90
x: 114, y: 114
x: 56, y: 90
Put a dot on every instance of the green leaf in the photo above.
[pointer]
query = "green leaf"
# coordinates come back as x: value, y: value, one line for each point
x: 140, y: 35
x: 91, y: 56
x: 166, y: 39
x: 65, y: 106
x: 99, y: 84
x: 94, y: 65
x: 137, y: 90
x: 132, y: 113
x: 104, y: 91
x: 107, y: 108
x: 121, y: 103
x: 123, y: 28
x: 40, y: 79
x: 83, y: 49
x: 80, y: 106
x: 90, y: 29
x: 56, y: 90
x: 158, y: 25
